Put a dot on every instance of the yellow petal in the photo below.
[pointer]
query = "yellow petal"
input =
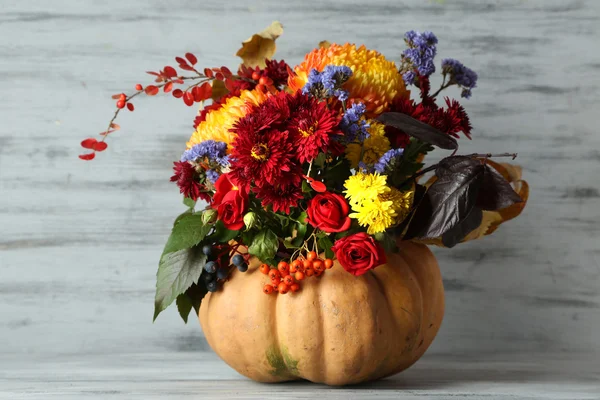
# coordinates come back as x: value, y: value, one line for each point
x: 260, y: 46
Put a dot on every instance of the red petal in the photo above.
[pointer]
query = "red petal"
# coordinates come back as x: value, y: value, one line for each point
x: 191, y: 58
x: 100, y: 146
x: 107, y: 132
x: 226, y: 71
x: 116, y: 96
x: 188, y: 99
x: 219, y: 76
x: 180, y: 60
x: 168, y: 87
x: 151, y: 90
x: 205, y: 90
x: 116, y: 127
x: 186, y: 67
x: 87, y: 157
x: 153, y: 73
x: 170, y: 72
x: 130, y: 106
x: 88, y: 143
x: 178, y: 93
x: 208, y: 72
x: 179, y: 81
x: 318, y: 186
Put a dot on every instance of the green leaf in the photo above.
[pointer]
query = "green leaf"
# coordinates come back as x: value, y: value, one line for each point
x: 196, y: 293
x: 189, y: 202
x: 222, y: 234
x: 300, y: 234
x: 302, y: 217
x: 184, y: 306
x: 387, y: 242
x: 306, y: 187
x: 264, y: 245
x: 177, y: 271
x: 325, y: 244
x: 187, y: 232
x: 289, y: 245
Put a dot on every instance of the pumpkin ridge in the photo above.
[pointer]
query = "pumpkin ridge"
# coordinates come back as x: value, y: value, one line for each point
x: 275, y: 355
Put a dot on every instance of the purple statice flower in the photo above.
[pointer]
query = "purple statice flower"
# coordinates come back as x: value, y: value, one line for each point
x: 460, y: 75
x: 212, y: 175
x: 354, y: 127
x: 388, y: 160
x: 419, y: 55
x: 215, y: 152
x: 328, y: 83
x: 409, y: 77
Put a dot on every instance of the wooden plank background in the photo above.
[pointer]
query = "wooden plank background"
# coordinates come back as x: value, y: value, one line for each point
x: 79, y: 241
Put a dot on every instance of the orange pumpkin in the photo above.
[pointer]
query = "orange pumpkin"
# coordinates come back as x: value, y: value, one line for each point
x: 338, y: 329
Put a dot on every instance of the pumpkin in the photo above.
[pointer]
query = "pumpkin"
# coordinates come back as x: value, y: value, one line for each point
x: 338, y: 329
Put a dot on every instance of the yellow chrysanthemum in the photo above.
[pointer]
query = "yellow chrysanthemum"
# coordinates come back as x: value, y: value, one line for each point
x: 375, y: 80
x: 374, y: 146
x: 388, y: 209
x: 361, y: 187
x: 218, y: 122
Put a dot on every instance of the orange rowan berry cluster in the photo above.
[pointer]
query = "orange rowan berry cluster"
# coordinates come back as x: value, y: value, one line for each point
x: 287, y: 276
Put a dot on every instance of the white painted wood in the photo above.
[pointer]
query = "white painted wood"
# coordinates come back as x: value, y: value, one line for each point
x: 79, y: 241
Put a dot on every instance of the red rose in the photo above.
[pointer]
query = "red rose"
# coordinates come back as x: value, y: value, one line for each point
x: 328, y: 212
x: 230, y: 203
x: 359, y: 253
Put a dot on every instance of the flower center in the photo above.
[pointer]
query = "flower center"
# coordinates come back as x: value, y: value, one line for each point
x: 306, y: 129
x: 260, y: 152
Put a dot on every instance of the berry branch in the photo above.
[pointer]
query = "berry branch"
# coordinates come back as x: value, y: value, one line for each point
x: 165, y: 80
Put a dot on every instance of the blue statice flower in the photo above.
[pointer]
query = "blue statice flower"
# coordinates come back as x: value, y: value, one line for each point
x: 354, y: 127
x: 460, y: 75
x: 409, y: 77
x: 328, y: 83
x: 215, y: 152
x: 388, y: 160
x: 419, y: 55
x: 212, y: 175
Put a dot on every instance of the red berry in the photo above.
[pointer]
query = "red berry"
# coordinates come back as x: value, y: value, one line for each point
x: 294, y: 266
x: 263, y: 80
x: 255, y: 76
x: 284, y: 268
x: 299, y: 275
x: 268, y: 289
x: 329, y: 263
x: 318, y: 265
x: 274, y: 274
x: 260, y: 88
x: 121, y: 104
x: 307, y: 264
x: 288, y: 280
x: 283, y: 288
x: 130, y: 106
x: 123, y: 97
x: 264, y: 268
x: 309, y: 272
x: 295, y: 287
x: 139, y: 87
x: 318, y: 273
x: 312, y: 255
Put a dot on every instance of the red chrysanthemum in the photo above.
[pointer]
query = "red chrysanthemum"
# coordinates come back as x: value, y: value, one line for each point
x: 451, y: 120
x: 313, y: 125
x: 277, y: 71
x: 261, y: 154
x: 281, y: 197
x: 187, y: 180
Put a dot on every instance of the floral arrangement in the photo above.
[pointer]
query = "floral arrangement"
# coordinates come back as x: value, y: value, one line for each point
x: 302, y: 166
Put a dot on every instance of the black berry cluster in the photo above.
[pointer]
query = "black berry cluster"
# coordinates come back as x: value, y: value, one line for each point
x: 219, y: 264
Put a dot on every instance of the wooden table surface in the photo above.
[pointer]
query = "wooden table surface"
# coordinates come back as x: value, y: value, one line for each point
x: 79, y: 242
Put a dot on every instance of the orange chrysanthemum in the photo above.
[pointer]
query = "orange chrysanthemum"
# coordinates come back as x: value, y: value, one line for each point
x: 375, y: 80
x: 218, y: 122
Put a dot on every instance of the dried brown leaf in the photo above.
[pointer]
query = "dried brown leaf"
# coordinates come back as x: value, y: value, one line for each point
x: 260, y: 46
